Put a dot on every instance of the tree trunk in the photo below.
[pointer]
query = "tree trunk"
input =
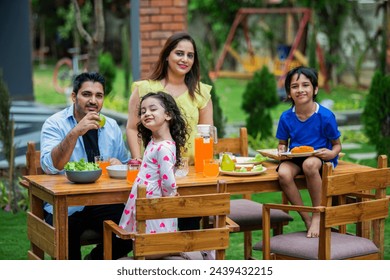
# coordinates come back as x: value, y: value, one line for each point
x: 95, y: 42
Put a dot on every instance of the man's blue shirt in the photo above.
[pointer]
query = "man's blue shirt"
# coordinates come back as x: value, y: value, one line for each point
x: 55, y: 129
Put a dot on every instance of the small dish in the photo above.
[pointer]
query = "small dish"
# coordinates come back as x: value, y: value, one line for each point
x: 117, y: 171
x: 239, y: 174
x: 83, y: 177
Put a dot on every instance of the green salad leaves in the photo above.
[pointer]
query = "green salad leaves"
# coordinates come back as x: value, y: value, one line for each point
x: 81, y: 165
x: 258, y: 158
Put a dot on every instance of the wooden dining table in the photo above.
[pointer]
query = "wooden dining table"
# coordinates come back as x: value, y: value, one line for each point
x: 61, y: 193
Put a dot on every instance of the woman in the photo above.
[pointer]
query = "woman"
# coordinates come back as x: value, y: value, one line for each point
x: 177, y: 72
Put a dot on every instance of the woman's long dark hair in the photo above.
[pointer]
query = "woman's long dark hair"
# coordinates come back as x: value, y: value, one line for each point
x: 161, y: 68
x: 177, y: 123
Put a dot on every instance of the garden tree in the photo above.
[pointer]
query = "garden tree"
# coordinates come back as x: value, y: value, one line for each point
x: 370, y: 42
x: 96, y: 40
x: 384, y: 59
x: 330, y: 17
x: 259, y: 97
x: 6, y: 137
x: 216, y: 17
x: 68, y: 29
x: 376, y: 114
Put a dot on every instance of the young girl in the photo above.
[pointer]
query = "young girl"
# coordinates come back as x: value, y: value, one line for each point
x: 164, y: 132
x: 306, y: 123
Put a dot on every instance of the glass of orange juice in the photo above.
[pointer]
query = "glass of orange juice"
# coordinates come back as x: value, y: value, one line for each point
x: 132, y: 172
x: 211, y: 167
x: 103, y: 162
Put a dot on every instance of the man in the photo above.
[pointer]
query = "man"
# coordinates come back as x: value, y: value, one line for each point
x: 72, y: 134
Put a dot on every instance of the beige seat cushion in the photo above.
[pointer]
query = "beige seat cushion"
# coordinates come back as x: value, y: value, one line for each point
x: 246, y: 212
x: 298, y: 245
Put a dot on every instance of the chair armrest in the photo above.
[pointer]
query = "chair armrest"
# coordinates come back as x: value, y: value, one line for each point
x: 109, y: 227
x: 300, y: 208
x: 233, y: 227
x: 120, y: 232
x: 24, y: 184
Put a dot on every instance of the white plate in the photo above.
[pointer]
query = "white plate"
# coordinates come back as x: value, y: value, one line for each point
x: 270, y: 153
x: 307, y: 154
x: 247, y: 160
x: 235, y: 173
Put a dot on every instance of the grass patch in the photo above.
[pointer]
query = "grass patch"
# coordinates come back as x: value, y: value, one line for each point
x: 13, y: 238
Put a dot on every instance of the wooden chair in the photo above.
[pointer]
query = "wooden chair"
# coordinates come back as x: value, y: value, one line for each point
x: 247, y: 214
x: 167, y: 244
x: 33, y: 163
x: 33, y: 167
x: 334, y: 241
x: 238, y: 145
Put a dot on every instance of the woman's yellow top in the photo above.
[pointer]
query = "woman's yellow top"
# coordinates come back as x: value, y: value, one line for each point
x: 189, y: 108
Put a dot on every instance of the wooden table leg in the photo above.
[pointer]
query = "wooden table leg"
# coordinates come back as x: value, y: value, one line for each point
x: 60, y: 222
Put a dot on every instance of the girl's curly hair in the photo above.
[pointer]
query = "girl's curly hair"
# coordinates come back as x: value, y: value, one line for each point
x: 177, y: 124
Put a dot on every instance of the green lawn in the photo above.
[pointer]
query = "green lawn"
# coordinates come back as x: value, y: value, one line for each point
x: 13, y: 237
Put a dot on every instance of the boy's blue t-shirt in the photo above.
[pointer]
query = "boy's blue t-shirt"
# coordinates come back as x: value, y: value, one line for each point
x: 317, y: 131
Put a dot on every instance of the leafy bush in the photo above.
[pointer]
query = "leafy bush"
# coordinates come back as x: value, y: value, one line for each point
x: 376, y: 114
x: 259, y: 98
x: 108, y: 69
x: 353, y: 136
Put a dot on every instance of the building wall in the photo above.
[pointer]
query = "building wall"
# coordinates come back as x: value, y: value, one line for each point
x: 15, y: 48
x: 159, y: 19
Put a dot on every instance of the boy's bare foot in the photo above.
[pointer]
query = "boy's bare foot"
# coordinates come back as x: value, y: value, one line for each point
x: 307, y: 220
x: 307, y: 223
x: 314, y: 229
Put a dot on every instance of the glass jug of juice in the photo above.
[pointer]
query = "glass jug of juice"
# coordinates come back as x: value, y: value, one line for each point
x: 204, y: 142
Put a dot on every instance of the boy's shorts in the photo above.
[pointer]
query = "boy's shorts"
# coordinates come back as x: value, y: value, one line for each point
x: 299, y: 162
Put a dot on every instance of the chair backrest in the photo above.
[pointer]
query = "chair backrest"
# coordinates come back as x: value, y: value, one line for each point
x: 33, y: 161
x: 217, y: 238
x: 237, y: 146
x: 374, y: 207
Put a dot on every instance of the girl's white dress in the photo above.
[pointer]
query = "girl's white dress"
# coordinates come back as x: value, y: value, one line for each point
x: 157, y: 173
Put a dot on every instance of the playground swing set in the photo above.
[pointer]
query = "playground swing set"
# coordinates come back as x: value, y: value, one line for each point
x: 251, y: 62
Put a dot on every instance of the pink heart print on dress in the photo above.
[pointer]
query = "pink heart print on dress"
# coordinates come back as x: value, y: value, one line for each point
x: 162, y: 225
x: 165, y: 177
x: 166, y: 158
